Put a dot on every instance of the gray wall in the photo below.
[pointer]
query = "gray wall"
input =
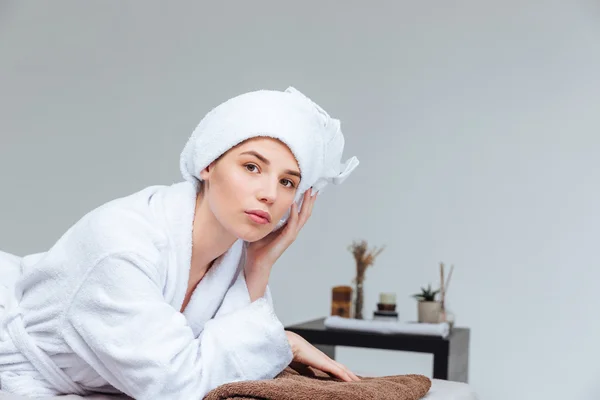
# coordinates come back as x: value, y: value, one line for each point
x: 477, y: 125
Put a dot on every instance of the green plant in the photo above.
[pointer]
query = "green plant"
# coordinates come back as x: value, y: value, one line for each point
x: 426, y: 294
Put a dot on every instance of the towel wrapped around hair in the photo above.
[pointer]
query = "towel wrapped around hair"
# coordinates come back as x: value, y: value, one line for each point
x: 314, y: 138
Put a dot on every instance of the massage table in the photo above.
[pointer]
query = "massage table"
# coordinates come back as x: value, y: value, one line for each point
x: 449, y: 390
x: 440, y: 390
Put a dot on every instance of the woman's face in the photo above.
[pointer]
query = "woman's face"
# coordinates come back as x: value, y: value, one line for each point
x: 252, y: 186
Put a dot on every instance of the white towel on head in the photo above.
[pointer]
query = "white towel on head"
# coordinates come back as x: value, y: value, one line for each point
x: 314, y: 138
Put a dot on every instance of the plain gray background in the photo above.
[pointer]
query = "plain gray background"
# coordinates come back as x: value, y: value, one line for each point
x: 476, y: 124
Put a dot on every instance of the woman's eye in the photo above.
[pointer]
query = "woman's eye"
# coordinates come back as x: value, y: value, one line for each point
x: 287, y: 183
x: 251, y: 167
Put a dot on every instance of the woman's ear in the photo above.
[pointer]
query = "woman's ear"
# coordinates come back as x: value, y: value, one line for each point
x: 205, y: 173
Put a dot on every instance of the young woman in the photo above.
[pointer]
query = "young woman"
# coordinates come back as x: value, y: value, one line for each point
x: 163, y: 294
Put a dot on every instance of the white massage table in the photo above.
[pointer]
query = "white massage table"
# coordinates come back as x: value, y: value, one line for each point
x: 440, y: 390
x: 448, y: 390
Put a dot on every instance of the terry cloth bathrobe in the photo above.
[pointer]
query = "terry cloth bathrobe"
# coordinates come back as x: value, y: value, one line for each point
x: 100, y: 311
x: 103, y: 309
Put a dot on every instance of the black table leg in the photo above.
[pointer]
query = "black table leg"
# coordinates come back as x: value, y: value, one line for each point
x: 440, y: 364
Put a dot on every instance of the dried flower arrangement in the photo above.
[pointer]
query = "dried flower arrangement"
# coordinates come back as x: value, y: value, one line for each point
x: 364, y: 259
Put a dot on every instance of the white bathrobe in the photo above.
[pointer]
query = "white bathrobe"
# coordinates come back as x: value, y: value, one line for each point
x: 101, y: 309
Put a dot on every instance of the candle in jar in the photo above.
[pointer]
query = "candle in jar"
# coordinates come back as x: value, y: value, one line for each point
x: 387, y: 298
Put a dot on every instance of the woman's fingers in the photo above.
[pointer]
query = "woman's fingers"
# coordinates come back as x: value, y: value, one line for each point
x: 353, y: 375
x: 307, y: 206
x: 344, y: 375
x: 342, y: 371
x: 337, y: 369
x: 308, y: 354
x: 332, y: 368
x: 348, y: 372
x: 292, y: 223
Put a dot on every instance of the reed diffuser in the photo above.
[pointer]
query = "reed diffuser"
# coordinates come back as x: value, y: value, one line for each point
x: 445, y: 314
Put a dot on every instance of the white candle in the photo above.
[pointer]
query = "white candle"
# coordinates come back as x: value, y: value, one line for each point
x: 387, y: 298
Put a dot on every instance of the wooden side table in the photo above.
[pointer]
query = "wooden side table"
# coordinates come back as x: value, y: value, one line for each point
x: 450, y: 355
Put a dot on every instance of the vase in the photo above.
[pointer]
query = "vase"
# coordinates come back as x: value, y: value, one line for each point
x: 358, y: 301
x: 429, y: 311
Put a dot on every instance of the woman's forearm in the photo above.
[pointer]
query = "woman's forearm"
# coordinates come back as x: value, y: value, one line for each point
x: 257, y: 278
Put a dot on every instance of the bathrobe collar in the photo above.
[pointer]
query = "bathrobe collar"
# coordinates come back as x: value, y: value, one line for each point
x: 177, y: 206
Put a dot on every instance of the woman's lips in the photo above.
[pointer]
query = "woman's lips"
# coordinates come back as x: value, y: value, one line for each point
x: 257, y: 217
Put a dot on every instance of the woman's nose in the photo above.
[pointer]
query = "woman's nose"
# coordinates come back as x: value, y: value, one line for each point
x: 268, y: 192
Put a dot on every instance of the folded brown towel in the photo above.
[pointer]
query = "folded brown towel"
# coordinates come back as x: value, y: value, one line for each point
x: 311, y: 384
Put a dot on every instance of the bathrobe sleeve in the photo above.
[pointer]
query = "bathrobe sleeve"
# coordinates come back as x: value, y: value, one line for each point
x: 119, y: 323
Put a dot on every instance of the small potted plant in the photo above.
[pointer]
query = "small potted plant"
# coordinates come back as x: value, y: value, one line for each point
x: 429, y: 309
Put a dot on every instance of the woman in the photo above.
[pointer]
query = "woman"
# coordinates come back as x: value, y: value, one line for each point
x: 163, y: 294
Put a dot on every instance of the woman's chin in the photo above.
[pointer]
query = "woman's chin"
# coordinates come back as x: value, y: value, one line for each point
x: 253, y: 233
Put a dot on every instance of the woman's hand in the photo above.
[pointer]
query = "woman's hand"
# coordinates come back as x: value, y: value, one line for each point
x: 262, y: 254
x: 267, y: 250
x: 305, y: 353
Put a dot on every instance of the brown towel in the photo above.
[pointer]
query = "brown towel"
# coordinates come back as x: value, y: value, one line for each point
x: 311, y: 384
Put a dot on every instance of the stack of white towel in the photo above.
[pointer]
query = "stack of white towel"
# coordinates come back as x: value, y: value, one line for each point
x: 440, y: 329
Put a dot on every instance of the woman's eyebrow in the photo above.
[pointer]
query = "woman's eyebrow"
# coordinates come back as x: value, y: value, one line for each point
x: 264, y: 160
x: 258, y: 155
